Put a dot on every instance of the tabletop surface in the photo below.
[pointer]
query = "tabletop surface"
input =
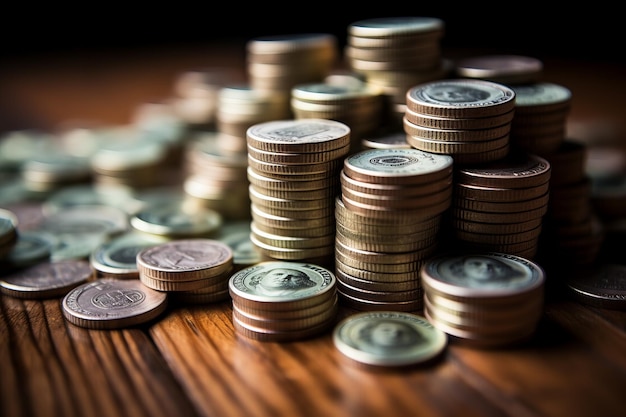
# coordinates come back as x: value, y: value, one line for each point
x: 191, y: 361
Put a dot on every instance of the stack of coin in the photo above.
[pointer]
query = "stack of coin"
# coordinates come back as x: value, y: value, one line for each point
x: 191, y: 267
x: 387, y: 218
x: 360, y: 106
x: 278, y: 63
x: 280, y: 301
x: 571, y: 230
x: 294, y: 170
x: 216, y: 178
x: 504, y: 69
x: 541, y: 111
x: 468, y: 119
x: 8, y: 231
x: 50, y: 171
x: 129, y: 160
x: 499, y: 206
x: 487, y: 299
x: 241, y: 106
x: 196, y: 94
x: 395, y: 54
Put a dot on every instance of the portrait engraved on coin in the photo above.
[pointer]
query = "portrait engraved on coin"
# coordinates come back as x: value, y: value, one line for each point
x: 282, y: 280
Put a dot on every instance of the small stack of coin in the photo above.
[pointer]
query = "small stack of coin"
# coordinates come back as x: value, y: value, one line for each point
x: 188, y: 266
x: 395, y: 54
x: 216, y: 178
x: 279, y: 301
x: 571, y: 230
x: 50, y: 171
x: 541, y: 111
x: 241, y: 106
x: 499, y: 206
x: 504, y: 69
x: 8, y: 231
x: 278, y: 63
x: 388, y: 218
x: 128, y: 160
x: 360, y: 107
x: 487, y: 299
x: 468, y: 119
x: 294, y: 178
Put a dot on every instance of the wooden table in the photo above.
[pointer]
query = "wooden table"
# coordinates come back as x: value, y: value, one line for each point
x: 191, y: 362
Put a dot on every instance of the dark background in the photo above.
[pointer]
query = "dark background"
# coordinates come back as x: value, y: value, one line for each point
x: 594, y: 33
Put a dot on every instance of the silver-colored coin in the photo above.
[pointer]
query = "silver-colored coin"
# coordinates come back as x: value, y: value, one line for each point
x: 604, y: 287
x: 463, y: 98
x: 395, y: 26
x: 176, y: 220
x: 388, y: 338
x: 46, y: 279
x: 488, y: 274
x: 281, y: 281
x: 110, y: 303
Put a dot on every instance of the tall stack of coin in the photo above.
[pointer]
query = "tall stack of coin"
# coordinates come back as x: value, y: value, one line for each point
x: 360, y: 107
x: 395, y: 54
x: 541, y: 111
x: 499, y: 206
x: 468, y: 119
x: 487, y: 299
x: 191, y: 267
x: 572, y: 230
x: 8, y: 231
x: 294, y: 170
x: 216, y: 178
x: 388, y: 220
x: 278, y: 63
x: 279, y: 301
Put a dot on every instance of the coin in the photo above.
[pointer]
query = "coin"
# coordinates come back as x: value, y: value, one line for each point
x: 110, y: 303
x: 604, y: 286
x: 388, y: 338
x: 46, y: 279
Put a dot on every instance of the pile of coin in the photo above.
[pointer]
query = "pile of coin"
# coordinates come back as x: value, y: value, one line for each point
x: 197, y: 268
x: 395, y: 54
x: 294, y: 178
x: 468, y: 119
x: 283, y: 301
x: 387, y: 218
x: 541, y: 111
x: 504, y: 69
x: 488, y: 299
x: 499, y: 206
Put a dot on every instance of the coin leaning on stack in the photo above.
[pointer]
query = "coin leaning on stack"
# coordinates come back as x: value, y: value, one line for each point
x: 387, y: 219
x: 280, y: 301
x: 468, y: 119
x: 487, y: 299
x: 293, y: 173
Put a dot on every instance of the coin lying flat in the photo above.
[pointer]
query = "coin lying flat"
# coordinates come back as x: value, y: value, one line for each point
x: 110, y: 303
x: 388, y: 338
x: 46, y: 279
x: 603, y: 287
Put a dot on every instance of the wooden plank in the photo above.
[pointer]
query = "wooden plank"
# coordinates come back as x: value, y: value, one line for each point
x: 51, y: 367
